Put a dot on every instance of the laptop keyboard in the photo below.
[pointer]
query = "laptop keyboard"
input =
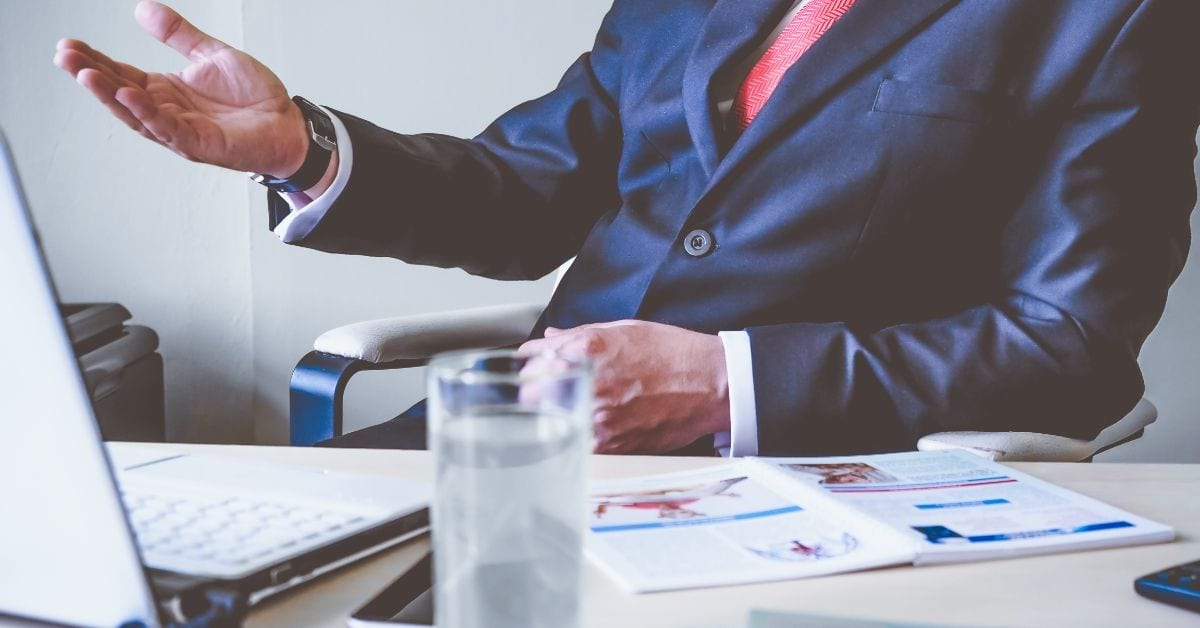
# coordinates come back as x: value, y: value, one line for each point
x: 219, y: 534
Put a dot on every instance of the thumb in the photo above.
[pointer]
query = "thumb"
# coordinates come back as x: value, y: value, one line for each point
x: 552, y: 331
x: 169, y: 27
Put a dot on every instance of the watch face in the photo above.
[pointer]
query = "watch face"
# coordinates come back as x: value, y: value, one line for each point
x: 319, y: 124
x: 325, y: 140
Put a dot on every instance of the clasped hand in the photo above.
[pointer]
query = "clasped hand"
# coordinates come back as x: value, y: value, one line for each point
x: 658, y: 387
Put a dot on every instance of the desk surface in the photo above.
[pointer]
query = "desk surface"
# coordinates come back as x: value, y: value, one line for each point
x: 1085, y: 588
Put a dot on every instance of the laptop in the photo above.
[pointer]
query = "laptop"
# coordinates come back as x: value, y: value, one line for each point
x: 133, y: 535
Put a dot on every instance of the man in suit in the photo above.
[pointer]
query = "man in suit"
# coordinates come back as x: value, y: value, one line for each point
x: 900, y: 216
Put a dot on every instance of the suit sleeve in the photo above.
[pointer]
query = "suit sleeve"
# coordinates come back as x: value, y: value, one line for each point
x: 1087, y: 258
x: 512, y: 203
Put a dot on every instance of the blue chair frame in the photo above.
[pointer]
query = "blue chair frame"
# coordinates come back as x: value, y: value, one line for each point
x: 317, y: 391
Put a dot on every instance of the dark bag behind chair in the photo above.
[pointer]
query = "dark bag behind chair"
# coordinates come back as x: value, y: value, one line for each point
x: 124, y: 373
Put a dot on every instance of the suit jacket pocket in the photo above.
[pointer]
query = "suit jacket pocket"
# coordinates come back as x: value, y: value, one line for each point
x: 932, y: 100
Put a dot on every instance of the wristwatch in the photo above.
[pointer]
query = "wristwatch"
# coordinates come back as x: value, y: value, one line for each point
x: 322, y: 141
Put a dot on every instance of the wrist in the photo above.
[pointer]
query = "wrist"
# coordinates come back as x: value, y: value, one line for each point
x: 326, y: 179
x: 310, y: 151
x: 718, y: 416
x: 293, y: 145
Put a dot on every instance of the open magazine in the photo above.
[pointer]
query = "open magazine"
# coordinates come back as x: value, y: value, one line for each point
x: 766, y: 519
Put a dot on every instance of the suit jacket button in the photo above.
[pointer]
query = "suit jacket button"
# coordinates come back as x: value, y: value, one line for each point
x: 698, y: 243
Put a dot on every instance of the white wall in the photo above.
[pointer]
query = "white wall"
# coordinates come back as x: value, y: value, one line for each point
x: 186, y: 246
x: 122, y: 219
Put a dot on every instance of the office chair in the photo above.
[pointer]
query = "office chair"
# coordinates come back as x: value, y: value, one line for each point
x: 320, y: 379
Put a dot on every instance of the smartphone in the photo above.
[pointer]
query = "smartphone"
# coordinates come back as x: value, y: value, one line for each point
x: 1178, y: 585
x: 406, y: 602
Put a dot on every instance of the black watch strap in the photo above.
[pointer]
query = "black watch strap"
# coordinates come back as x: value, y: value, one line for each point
x: 322, y: 140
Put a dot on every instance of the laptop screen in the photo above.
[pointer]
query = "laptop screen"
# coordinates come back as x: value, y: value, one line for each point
x: 65, y: 545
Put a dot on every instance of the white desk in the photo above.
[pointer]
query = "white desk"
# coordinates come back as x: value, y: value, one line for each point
x: 1081, y: 589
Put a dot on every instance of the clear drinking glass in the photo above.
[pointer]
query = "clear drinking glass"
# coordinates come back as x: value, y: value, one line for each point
x: 510, y: 437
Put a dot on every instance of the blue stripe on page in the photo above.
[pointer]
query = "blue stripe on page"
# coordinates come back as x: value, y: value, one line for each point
x: 696, y: 522
x: 1108, y: 525
x: 878, y: 486
x: 982, y: 502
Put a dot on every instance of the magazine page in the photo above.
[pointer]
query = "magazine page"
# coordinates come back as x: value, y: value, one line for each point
x: 728, y: 525
x: 959, y: 506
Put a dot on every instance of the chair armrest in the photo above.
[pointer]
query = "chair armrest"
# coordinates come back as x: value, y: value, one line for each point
x: 320, y: 378
x: 1032, y: 446
x: 421, y: 336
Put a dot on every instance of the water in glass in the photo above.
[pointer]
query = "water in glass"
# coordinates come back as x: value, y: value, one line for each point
x: 509, y: 517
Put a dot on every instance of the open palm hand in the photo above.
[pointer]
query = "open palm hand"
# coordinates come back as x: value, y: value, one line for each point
x: 225, y: 108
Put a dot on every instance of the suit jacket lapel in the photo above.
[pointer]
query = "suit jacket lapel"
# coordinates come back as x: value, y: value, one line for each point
x: 867, y: 30
x: 732, y: 29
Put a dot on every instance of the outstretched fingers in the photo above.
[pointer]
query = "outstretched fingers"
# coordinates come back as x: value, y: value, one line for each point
x: 76, y: 52
x: 172, y: 29
x: 104, y: 89
x: 74, y: 62
x: 161, y: 123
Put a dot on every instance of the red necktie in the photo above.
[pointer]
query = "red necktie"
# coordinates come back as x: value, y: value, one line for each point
x: 805, y: 28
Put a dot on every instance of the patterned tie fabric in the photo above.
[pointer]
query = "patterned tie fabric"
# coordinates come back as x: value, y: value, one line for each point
x: 805, y: 28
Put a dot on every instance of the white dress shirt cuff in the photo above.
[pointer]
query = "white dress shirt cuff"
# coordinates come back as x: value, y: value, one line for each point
x: 305, y: 215
x: 742, y: 438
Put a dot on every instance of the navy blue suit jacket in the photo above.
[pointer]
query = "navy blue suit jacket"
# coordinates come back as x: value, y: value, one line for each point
x: 950, y: 214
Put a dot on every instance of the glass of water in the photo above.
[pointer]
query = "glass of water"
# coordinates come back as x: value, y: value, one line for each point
x: 510, y: 436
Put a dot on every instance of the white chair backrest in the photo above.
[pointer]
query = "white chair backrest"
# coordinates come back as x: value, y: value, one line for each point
x: 1035, y: 447
x: 562, y: 270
